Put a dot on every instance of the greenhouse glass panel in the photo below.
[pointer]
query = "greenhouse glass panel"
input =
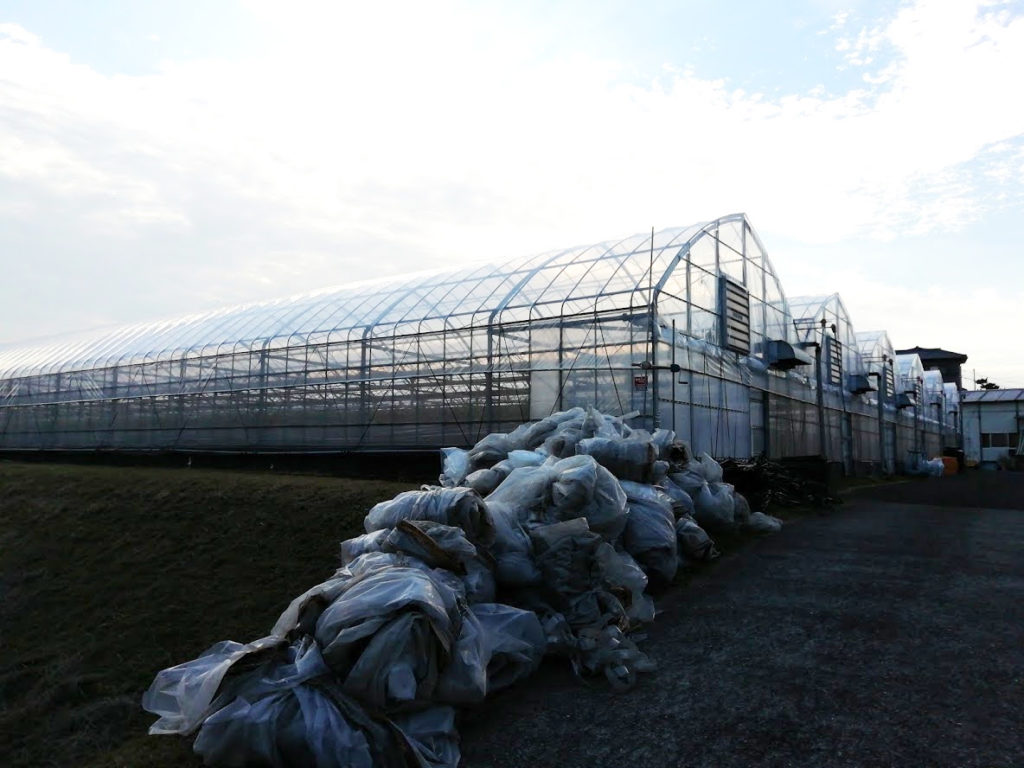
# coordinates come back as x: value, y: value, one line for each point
x: 439, y: 357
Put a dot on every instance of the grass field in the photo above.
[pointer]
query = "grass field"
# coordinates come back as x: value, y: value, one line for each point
x: 108, y: 575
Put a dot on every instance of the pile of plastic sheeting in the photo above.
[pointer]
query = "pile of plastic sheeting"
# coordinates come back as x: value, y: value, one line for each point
x: 542, y: 541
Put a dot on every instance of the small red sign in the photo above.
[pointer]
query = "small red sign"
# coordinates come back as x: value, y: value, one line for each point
x: 640, y: 383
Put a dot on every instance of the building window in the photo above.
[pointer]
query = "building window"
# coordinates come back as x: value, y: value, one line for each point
x: 999, y: 439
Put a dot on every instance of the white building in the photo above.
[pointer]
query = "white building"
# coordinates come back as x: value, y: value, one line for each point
x: 993, y: 423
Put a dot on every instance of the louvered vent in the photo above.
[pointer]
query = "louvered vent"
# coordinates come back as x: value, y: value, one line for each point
x: 835, y: 361
x: 735, y: 316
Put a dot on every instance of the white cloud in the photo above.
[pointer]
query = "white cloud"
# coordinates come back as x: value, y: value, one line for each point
x: 358, y: 145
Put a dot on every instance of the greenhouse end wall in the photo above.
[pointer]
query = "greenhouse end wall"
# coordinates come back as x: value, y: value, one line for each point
x: 637, y: 326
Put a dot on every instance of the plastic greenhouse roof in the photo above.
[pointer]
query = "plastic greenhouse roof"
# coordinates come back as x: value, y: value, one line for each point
x: 994, y: 395
x: 874, y: 344
x: 611, y: 274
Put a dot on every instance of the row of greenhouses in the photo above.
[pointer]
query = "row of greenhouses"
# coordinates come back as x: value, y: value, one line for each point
x: 688, y: 328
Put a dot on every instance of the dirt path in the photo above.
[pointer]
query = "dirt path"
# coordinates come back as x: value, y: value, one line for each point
x: 882, y: 634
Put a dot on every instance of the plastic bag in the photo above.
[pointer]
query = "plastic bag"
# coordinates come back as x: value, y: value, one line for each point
x: 693, y: 541
x: 650, y: 535
x: 621, y: 574
x: 626, y: 459
x: 526, y: 488
x: 489, y: 451
x: 761, y: 523
x: 682, y: 503
x: 669, y: 449
x: 454, y: 467
x: 562, y: 444
x: 484, y: 481
x: 581, y: 480
x: 596, y: 424
x: 712, y: 469
x: 512, y: 550
x: 573, y: 487
x: 461, y: 507
x: 690, y: 480
x: 714, y: 507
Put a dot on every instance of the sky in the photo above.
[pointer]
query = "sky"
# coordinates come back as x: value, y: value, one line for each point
x: 163, y: 158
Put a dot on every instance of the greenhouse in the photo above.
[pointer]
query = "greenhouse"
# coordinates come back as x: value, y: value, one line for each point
x: 687, y: 328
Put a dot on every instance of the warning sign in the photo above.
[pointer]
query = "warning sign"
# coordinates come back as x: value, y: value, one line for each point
x: 639, y: 383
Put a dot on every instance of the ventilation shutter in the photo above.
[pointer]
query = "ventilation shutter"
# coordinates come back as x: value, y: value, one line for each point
x: 735, y: 302
x: 835, y: 361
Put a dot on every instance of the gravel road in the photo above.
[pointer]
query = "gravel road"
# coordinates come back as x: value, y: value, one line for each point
x: 886, y: 633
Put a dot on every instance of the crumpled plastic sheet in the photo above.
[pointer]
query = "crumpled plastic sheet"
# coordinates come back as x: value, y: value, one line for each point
x: 608, y: 650
x: 563, y: 490
x: 741, y: 509
x: 361, y: 545
x: 298, y: 715
x: 485, y: 481
x: 498, y: 645
x: 445, y: 547
x: 388, y: 635
x: 532, y: 435
x: 759, y: 522
x: 587, y: 599
x: 184, y: 695
x: 461, y: 507
x: 650, y: 535
x: 431, y: 735
x: 407, y: 626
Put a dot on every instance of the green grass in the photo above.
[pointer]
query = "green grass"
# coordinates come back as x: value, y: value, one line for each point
x: 108, y: 575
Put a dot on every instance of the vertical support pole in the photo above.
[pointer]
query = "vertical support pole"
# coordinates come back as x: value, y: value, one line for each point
x: 653, y: 329
x: 821, y: 401
x: 918, y: 448
x: 655, y: 416
x: 489, y: 381
x: 882, y: 386
x: 675, y: 374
